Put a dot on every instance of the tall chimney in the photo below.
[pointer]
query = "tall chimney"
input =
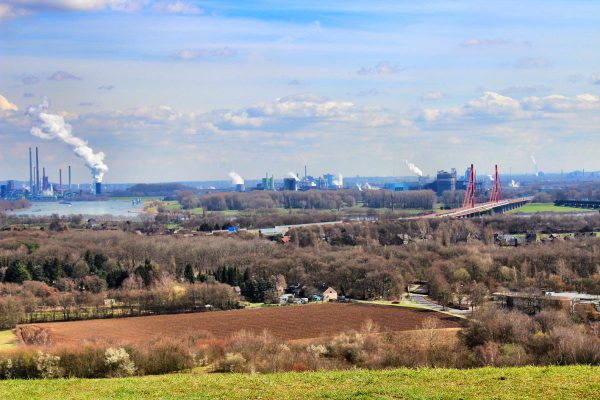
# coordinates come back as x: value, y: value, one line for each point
x: 37, y: 172
x: 69, y: 179
x: 30, y: 173
x: 98, y: 188
x: 305, y: 174
x: 43, y: 178
x: 60, y: 180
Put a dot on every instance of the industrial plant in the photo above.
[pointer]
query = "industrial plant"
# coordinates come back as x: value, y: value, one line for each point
x: 40, y: 186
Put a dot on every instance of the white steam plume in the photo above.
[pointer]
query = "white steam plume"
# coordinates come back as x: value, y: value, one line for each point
x: 293, y: 175
x: 491, y: 178
x: 535, y: 165
x: 413, y: 168
x: 236, y: 179
x: 51, y: 126
x: 339, y: 181
x: 514, y: 184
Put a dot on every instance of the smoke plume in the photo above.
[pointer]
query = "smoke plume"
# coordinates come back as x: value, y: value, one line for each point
x: 535, y: 165
x: 413, y: 168
x: 236, y: 179
x: 339, y: 181
x: 51, y: 126
x: 514, y: 184
x: 293, y: 175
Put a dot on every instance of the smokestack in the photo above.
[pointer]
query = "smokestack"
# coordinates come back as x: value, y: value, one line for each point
x: 69, y: 179
x: 52, y: 126
x: 60, y: 180
x: 37, y: 172
x: 305, y: 174
x: 30, y: 173
x: 43, y: 178
x: 98, y: 188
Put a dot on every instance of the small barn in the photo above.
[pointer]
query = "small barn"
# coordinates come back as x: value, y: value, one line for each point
x: 328, y: 294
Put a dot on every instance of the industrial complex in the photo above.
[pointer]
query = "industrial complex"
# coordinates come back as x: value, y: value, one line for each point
x: 40, y: 187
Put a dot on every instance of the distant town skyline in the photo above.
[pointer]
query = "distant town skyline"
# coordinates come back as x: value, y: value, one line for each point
x: 191, y: 90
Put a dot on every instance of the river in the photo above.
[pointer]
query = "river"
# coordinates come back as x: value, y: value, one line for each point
x: 118, y: 208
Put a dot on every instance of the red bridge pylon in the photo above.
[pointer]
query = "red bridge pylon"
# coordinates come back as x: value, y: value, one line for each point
x: 469, y: 200
x: 496, y: 194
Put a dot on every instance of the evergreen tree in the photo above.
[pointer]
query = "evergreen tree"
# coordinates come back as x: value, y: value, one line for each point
x: 189, y: 273
x: 17, y: 273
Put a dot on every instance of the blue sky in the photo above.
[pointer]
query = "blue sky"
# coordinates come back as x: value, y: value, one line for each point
x: 189, y: 90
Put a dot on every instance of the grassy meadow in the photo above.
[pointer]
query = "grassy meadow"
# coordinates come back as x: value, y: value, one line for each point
x: 579, y: 382
x: 532, y: 208
x: 8, y: 340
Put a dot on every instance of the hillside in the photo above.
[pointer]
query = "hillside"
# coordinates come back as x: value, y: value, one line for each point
x: 527, y: 382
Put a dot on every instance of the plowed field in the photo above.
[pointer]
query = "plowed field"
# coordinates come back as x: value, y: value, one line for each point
x: 288, y: 323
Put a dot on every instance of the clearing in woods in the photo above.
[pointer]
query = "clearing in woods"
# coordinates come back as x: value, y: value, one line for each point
x: 287, y: 323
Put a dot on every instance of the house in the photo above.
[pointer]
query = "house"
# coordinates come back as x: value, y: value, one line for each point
x: 328, y: 294
x: 295, y: 289
x: 286, y: 298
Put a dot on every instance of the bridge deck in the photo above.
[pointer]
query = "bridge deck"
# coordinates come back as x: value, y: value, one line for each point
x: 479, y: 209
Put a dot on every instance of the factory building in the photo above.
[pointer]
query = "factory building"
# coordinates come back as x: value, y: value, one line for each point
x: 290, y: 184
x: 445, y: 181
x: 268, y: 183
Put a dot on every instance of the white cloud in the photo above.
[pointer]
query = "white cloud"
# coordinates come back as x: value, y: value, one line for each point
x: 177, y: 7
x: 532, y: 62
x: 495, y: 106
x: 300, y: 110
x: 557, y: 103
x: 15, y: 8
x: 60, y: 76
x: 485, y: 42
x: 525, y: 89
x: 382, y: 68
x: 492, y: 104
x: 196, y: 54
x: 432, y: 96
x: 6, y: 105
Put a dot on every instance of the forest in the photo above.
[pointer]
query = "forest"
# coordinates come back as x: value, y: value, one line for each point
x: 311, y: 199
x: 363, y: 260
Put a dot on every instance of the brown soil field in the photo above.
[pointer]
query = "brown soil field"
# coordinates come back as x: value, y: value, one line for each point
x: 288, y: 323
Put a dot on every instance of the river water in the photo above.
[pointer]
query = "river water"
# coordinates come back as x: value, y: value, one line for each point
x: 118, y: 208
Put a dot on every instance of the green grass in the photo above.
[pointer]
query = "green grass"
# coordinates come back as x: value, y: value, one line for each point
x: 8, y: 340
x: 580, y: 382
x: 545, y: 207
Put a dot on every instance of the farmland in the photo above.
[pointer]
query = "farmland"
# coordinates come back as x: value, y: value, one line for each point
x: 547, y: 208
x: 574, y: 382
x: 286, y: 323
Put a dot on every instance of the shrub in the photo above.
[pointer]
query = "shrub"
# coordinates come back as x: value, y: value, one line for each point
x: 118, y: 362
x: 232, y: 362
x: 48, y: 365
x: 164, y: 356
x: 86, y: 362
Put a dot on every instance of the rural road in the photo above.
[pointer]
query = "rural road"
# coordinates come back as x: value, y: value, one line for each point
x: 425, y: 302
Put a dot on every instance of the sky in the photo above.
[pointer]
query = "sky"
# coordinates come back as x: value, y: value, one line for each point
x: 177, y: 90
